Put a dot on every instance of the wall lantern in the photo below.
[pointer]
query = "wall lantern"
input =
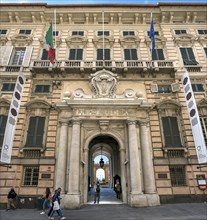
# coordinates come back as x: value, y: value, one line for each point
x: 101, y: 162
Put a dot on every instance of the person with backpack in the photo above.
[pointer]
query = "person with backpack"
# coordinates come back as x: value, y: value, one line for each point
x: 118, y: 190
x: 97, y: 193
x: 11, y: 199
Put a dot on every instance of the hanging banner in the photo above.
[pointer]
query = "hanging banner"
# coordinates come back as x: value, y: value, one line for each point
x: 6, y: 150
x: 194, y: 119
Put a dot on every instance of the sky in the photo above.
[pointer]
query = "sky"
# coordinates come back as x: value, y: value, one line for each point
x: 99, y: 1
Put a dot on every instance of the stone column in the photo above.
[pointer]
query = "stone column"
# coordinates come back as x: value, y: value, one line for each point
x: 123, y: 175
x: 73, y: 195
x: 148, y: 170
x: 61, y: 156
x: 137, y: 199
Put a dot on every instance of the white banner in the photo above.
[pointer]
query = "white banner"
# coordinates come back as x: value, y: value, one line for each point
x: 12, y: 119
x: 194, y: 119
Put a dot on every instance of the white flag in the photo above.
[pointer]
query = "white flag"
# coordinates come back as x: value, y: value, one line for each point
x: 12, y: 119
x: 194, y: 119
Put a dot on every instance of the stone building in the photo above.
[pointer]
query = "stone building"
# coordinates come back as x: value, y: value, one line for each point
x: 104, y: 92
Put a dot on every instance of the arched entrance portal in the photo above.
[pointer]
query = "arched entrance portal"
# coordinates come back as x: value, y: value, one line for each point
x: 107, y: 149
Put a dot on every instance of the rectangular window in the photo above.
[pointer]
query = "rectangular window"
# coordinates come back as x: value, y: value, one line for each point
x: 31, y: 175
x: 158, y: 54
x: 42, y: 88
x: 80, y: 33
x: 8, y: 87
x: 100, y: 33
x: 35, y: 132
x: 128, y: 33
x: 44, y: 55
x: 171, y: 132
x: 106, y: 54
x: 197, y: 88
x: 130, y: 54
x: 3, y: 120
x: 76, y: 54
x: 204, y: 127
x: 177, y: 175
x: 17, y: 56
x: 205, y: 50
x: 55, y: 33
x: 3, y: 31
x: 156, y: 33
x: 188, y: 56
x: 25, y: 32
x: 164, y: 89
x: 202, y: 31
x: 180, y: 32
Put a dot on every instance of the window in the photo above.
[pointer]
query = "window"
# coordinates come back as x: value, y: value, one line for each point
x: 106, y: 54
x: 18, y: 56
x: 76, y: 54
x: 55, y: 33
x: 100, y: 33
x: 25, y: 31
x: 197, y: 88
x: 156, y: 33
x: 164, y: 89
x: 8, y: 87
x: 44, y: 55
x: 3, y: 31
x: 205, y: 50
x: 128, y: 33
x: 188, y: 56
x: 157, y: 54
x: 202, y: 31
x: 42, y: 88
x: 31, y: 175
x: 204, y: 127
x: 171, y: 132
x: 35, y: 132
x: 130, y: 54
x: 3, y: 120
x: 177, y: 175
x: 81, y: 33
x: 180, y: 32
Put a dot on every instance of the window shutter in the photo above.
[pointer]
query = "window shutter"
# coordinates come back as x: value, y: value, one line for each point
x: 175, y: 132
x: 79, y: 54
x: 154, y: 87
x: 154, y: 54
x: 30, y: 132
x: 40, y: 131
x: 44, y: 55
x: 167, y: 131
x: 184, y: 55
x: 160, y: 54
x: 205, y: 50
x: 99, y: 54
x: 5, y: 55
x: 126, y: 54
x: 175, y: 87
x: 72, y: 54
x: 3, y: 120
x: 134, y: 54
x: 107, y: 54
x: 27, y: 56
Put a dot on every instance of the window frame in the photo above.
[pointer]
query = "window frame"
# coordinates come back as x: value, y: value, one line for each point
x: 132, y: 53
x: 1, y: 30
x: 11, y: 87
x: 189, y: 53
x: 156, y: 54
x: 202, y: 30
x: 176, y: 179
x: 196, y: 87
x: 128, y: 33
x: 3, y: 121
x: 29, y: 174
x: 25, y: 31
x: 77, y: 52
x: 180, y: 31
x: 77, y: 33
x: 103, y: 33
x: 106, y: 51
x: 19, y: 57
x: 42, y: 89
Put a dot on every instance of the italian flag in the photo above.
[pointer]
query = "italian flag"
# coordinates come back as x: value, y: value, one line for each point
x: 49, y: 44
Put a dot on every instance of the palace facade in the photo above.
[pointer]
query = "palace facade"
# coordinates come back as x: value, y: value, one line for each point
x: 104, y: 95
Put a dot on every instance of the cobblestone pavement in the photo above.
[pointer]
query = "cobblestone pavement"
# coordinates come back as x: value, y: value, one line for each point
x: 190, y: 211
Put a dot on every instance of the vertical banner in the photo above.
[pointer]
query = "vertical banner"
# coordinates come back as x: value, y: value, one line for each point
x: 194, y: 119
x: 12, y: 119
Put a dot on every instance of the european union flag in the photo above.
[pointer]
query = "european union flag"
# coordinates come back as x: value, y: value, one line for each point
x: 152, y: 34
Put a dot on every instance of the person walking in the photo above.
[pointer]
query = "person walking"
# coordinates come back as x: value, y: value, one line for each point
x: 97, y: 193
x: 56, y: 199
x: 11, y: 199
x: 118, y: 190
x: 47, y: 198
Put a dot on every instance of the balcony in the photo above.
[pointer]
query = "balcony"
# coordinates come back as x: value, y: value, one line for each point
x: 127, y: 66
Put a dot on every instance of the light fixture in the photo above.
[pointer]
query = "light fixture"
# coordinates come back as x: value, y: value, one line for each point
x: 101, y: 162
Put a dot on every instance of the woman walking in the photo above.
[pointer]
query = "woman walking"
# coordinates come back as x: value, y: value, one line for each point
x: 47, y: 198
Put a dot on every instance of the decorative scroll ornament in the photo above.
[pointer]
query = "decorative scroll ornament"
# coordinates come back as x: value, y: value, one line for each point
x: 103, y: 83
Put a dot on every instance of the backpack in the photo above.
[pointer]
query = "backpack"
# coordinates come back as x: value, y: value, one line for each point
x: 98, y: 188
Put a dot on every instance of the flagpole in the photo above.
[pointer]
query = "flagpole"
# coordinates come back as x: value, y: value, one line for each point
x: 103, y: 38
x: 55, y: 26
x: 151, y: 40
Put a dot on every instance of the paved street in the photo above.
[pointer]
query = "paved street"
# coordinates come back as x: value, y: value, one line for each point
x: 191, y: 211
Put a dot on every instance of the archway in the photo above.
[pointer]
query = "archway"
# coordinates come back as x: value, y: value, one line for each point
x: 107, y: 148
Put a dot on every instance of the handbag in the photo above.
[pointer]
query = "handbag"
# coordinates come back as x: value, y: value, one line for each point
x: 56, y: 205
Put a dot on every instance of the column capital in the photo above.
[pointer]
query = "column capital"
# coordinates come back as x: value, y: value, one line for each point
x: 143, y: 122
x: 64, y: 121
x: 75, y: 121
x: 131, y: 121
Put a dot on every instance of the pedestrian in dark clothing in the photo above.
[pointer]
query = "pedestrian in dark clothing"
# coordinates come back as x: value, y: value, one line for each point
x: 97, y: 193
x: 47, y: 197
x: 11, y: 199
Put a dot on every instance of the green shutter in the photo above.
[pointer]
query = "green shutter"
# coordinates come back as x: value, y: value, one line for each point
x: 160, y: 54
x: 3, y: 120
x: 72, y: 54
x: 79, y: 54
x: 134, y: 54
x: 126, y: 54
x: 44, y: 55
x: 40, y: 125
x: 107, y: 54
x: 99, y: 54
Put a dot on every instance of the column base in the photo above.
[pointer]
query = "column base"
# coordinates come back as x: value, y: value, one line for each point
x: 144, y: 200
x: 70, y: 201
